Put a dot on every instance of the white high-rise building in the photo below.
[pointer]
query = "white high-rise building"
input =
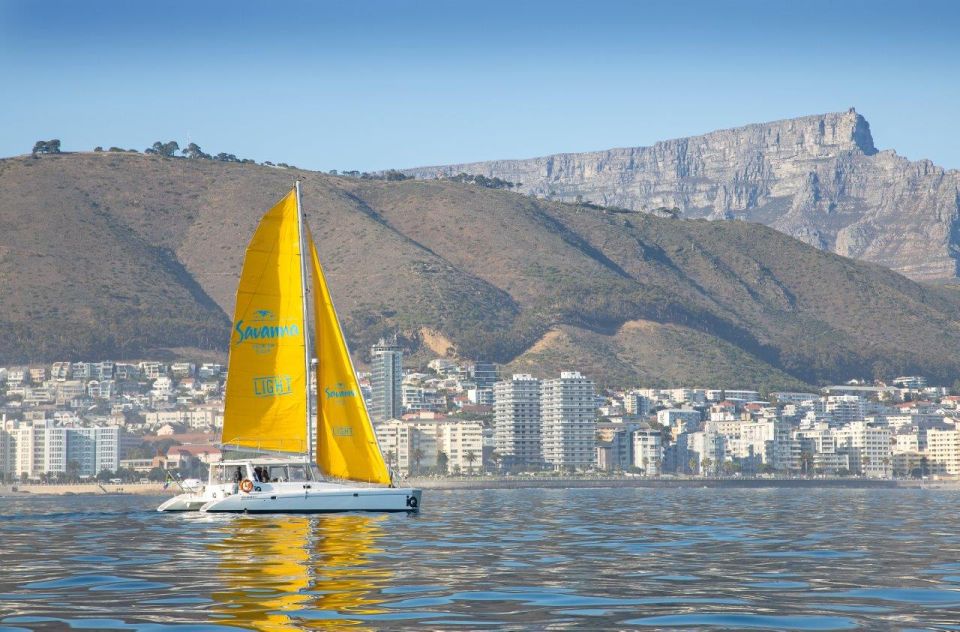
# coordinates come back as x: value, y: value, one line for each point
x: 93, y: 449
x: 386, y: 380
x: 648, y: 451
x: 38, y: 447
x: 8, y: 449
x: 567, y: 412
x: 516, y: 421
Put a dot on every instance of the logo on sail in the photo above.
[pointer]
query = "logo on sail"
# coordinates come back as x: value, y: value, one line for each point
x: 264, y: 330
x: 272, y: 385
x: 339, y: 392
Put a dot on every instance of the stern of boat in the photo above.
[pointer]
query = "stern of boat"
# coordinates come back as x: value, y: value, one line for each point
x: 413, y: 499
x: 183, y: 502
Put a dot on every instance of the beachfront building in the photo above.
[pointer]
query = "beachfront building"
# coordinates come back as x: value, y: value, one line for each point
x: 614, y: 449
x: 516, y: 421
x: 648, y: 451
x: 416, y: 446
x: 868, y: 448
x: 943, y: 452
x: 462, y: 443
x: 567, y: 410
x: 403, y: 448
x: 38, y: 447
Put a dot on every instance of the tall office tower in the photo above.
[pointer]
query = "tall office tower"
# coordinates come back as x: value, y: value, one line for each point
x: 386, y: 380
x: 516, y: 421
x: 568, y: 419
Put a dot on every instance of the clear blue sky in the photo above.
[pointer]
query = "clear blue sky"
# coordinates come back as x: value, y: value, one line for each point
x: 372, y: 85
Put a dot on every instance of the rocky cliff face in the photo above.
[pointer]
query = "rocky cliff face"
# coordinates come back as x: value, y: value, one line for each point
x: 817, y: 178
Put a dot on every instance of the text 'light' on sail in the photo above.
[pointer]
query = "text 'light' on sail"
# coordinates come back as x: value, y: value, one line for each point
x: 346, y: 444
x: 266, y: 392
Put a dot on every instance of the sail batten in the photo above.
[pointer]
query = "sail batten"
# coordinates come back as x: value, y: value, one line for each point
x: 265, y: 402
x: 346, y: 444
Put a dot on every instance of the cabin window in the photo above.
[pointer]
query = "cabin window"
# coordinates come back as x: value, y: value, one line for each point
x: 297, y: 473
x: 222, y: 474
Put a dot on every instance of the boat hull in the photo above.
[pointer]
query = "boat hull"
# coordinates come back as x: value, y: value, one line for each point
x: 320, y: 501
x: 328, y: 498
x: 184, y: 502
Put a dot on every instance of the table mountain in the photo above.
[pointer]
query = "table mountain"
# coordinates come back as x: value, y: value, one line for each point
x: 817, y: 178
x: 126, y: 255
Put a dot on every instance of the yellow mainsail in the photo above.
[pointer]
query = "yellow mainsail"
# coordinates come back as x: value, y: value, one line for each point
x: 346, y: 445
x: 266, y: 395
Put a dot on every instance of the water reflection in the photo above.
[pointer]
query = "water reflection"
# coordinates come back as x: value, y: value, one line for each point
x: 273, y: 571
x: 580, y: 558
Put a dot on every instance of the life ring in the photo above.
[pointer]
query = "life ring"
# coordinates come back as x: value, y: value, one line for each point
x: 412, y: 502
x: 246, y: 485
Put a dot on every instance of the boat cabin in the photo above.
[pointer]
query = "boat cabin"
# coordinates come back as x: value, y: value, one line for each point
x: 260, y: 470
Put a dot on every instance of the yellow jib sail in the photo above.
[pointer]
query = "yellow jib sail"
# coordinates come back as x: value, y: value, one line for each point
x: 266, y: 395
x: 346, y: 445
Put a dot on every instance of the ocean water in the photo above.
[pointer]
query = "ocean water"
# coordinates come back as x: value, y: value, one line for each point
x: 784, y: 559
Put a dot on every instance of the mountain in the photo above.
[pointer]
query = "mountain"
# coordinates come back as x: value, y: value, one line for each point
x: 128, y: 255
x: 817, y: 178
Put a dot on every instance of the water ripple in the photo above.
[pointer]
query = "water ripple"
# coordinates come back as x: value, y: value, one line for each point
x: 517, y: 559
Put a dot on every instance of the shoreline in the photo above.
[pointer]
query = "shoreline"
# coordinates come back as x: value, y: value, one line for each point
x: 482, y: 483
x: 676, y: 483
x: 87, y: 489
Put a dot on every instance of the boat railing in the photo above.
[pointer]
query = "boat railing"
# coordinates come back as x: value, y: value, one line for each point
x: 259, y: 445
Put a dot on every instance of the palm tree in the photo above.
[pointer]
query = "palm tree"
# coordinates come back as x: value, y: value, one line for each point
x: 73, y: 471
x: 390, y: 458
x: 496, y: 459
x: 470, y: 457
x: 417, y: 458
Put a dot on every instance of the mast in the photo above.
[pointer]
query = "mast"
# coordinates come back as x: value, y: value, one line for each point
x: 306, y: 322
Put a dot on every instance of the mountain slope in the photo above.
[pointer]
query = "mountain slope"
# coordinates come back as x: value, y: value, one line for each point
x: 817, y: 178
x: 122, y: 254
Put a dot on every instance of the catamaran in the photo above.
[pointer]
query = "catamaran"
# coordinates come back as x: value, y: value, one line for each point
x: 268, y: 399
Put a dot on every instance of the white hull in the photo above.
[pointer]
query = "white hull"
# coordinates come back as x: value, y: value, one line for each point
x: 296, y: 497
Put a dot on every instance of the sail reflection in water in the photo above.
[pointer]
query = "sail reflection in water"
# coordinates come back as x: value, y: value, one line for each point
x: 271, y: 571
